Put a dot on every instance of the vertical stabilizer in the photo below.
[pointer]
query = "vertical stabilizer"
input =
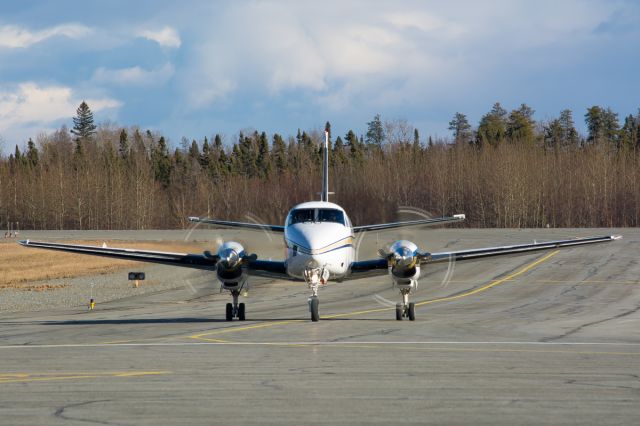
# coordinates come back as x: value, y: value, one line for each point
x: 324, y: 195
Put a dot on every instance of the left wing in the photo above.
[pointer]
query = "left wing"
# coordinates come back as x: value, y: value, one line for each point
x: 196, y: 261
x: 418, y: 222
x: 378, y: 266
x: 231, y: 224
x: 205, y: 261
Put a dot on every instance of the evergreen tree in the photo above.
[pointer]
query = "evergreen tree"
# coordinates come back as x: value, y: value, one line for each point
x: 569, y: 132
x: 553, y: 134
x: 602, y: 124
x: 356, y: 148
x: 461, y: 128
x: 161, y: 163
x: 205, y: 158
x: 630, y: 132
x: 520, y: 125
x: 375, y: 131
x: 279, y: 153
x: 32, y: 153
x: 338, y: 154
x: 493, y: 126
x: 83, y: 126
x: 264, y: 158
x: 194, y: 151
x: 123, y: 147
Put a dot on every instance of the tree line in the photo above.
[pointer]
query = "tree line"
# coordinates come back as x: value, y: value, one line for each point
x: 509, y: 171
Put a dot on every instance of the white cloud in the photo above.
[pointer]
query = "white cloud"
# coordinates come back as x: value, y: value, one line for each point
x: 12, y: 36
x: 394, y: 52
x: 30, y: 108
x: 166, y: 37
x: 134, y: 75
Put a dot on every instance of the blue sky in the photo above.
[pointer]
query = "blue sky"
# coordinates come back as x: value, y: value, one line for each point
x: 195, y: 68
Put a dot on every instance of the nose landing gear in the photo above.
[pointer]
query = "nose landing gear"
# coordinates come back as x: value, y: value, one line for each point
x: 235, y: 310
x: 315, y: 277
x: 405, y: 309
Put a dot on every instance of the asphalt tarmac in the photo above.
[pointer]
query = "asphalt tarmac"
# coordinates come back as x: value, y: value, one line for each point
x: 545, y: 338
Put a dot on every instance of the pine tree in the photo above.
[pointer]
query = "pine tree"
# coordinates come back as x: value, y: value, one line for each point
x: 205, y: 158
x: 356, y: 149
x: 520, y: 125
x: 338, y: 154
x: 461, y: 128
x: 602, y: 124
x: 123, y: 148
x: 278, y: 153
x: 493, y: 126
x: 263, y: 162
x: 32, y: 153
x: 161, y: 163
x: 569, y: 132
x: 375, y: 131
x: 83, y: 126
x: 194, y: 151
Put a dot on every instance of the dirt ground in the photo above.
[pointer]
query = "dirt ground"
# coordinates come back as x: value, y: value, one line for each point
x: 27, y: 268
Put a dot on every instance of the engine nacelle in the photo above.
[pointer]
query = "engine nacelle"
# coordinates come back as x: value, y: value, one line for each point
x: 230, y: 271
x: 404, y: 264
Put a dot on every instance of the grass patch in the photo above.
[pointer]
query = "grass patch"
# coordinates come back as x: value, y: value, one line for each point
x: 25, y: 268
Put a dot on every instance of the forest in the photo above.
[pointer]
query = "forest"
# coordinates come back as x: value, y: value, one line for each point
x: 508, y: 171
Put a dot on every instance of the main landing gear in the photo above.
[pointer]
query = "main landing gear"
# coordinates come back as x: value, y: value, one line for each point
x: 235, y: 310
x: 405, y: 309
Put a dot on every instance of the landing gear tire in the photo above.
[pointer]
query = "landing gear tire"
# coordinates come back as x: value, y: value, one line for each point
x: 241, y: 316
x: 412, y: 311
x: 229, y: 312
x: 313, y: 307
x: 399, y: 311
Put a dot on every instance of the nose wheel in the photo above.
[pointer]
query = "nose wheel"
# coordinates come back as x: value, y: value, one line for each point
x: 235, y: 309
x: 405, y: 309
x: 313, y: 308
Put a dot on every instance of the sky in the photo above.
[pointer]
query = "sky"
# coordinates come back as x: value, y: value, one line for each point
x: 196, y: 68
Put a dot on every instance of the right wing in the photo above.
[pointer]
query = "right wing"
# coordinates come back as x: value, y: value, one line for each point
x: 231, y: 224
x: 195, y: 261
x: 514, y: 249
x: 380, y: 266
x: 424, y: 222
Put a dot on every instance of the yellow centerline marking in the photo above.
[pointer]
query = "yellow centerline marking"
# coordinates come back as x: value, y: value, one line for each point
x: 201, y: 336
x: 48, y: 377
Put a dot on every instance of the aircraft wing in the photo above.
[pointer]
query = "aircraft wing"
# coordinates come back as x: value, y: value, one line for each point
x: 231, y: 224
x: 418, y: 222
x: 380, y: 266
x: 195, y: 261
x: 268, y: 269
x: 513, y: 249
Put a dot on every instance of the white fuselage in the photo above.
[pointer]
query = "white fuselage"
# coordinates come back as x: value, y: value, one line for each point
x: 318, y: 234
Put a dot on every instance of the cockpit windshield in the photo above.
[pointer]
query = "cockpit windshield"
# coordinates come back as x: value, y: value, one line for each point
x: 316, y: 215
x: 302, y: 215
x: 330, y: 215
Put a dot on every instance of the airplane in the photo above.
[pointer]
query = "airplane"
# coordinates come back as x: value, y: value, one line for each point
x: 319, y: 239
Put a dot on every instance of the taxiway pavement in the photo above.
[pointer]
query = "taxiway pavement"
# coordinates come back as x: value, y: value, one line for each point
x: 545, y: 338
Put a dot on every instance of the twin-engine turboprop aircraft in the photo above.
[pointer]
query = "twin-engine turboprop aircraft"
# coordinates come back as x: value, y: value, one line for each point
x: 320, y: 246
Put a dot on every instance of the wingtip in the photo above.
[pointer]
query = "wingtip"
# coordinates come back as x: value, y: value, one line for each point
x: 616, y: 237
x: 193, y: 218
x: 460, y: 216
x: 23, y: 242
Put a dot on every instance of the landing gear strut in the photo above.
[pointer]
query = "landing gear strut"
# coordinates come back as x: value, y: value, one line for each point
x: 405, y: 309
x: 235, y: 310
x: 315, y: 277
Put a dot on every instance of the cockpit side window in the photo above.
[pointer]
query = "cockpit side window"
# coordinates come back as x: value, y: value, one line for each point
x: 331, y: 215
x: 301, y: 215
